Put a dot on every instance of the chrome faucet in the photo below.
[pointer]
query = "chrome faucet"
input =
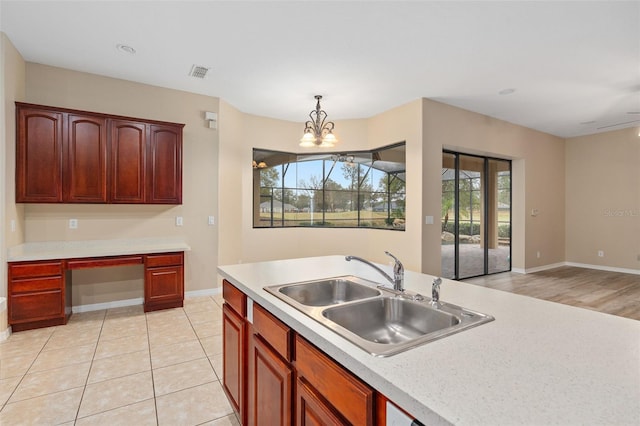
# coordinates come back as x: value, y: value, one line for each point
x: 398, y: 270
x: 435, y: 291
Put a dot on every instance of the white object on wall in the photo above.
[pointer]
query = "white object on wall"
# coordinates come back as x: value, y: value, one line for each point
x: 212, y: 119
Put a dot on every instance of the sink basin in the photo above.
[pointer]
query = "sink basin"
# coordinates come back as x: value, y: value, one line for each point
x: 325, y: 292
x: 389, y: 320
x: 367, y: 315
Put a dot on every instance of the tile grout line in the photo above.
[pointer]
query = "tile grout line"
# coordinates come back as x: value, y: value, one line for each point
x: 26, y: 372
x: 86, y: 381
x: 153, y: 383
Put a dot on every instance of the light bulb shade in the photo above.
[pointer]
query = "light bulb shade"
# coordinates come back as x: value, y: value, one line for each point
x: 329, y: 140
x: 308, y: 140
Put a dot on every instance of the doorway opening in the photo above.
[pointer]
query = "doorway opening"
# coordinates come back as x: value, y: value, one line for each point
x: 476, y: 215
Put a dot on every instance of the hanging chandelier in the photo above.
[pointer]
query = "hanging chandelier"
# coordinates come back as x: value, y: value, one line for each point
x: 316, y: 131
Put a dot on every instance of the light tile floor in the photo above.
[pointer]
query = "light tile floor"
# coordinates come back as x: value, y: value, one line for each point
x: 119, y: 367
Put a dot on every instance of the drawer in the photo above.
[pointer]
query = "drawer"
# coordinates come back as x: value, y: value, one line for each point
x: 35, y: 269
x: 30, y: 307
x: 274, y: 331
x: 35, y: 284
x: 235, y: 298
x: 103, y: 262
x: 350, y: 396
x: 164, y: 259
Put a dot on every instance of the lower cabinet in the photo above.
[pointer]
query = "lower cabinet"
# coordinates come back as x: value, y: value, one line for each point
x: 234, y: 348
x: 163, y: 281
x: 272, y: 376
x: 39, y: 292
x: 331, y: 389
x: 234, y: 363
x: 39, y: 295
x: 312, y: 409
x: 269, y: 400
x: 270, y: 373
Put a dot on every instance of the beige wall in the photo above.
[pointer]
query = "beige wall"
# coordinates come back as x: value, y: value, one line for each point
x: 427, y: 127
x: 64, y: 88
x: 603, y: 199
x: 239, y: 242
x: 12, y: 88
x: 538, y: 180
x: 399, y: 124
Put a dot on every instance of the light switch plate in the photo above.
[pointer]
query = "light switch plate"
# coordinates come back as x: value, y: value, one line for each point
x: 179, y: 221
x: 211, y: 220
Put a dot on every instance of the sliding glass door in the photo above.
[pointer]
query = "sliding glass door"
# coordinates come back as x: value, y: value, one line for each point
x: 476, y: 215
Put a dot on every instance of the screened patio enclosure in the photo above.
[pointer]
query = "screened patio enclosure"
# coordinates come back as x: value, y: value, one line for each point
x: 476, y: 215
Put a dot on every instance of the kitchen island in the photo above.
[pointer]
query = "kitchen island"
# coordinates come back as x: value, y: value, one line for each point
x: 538, y: 363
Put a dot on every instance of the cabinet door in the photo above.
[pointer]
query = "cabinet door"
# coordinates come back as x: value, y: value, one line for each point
x: 85, y: 160
x: 346, y: 393
x: 163, y: 287
x: 270, y: 386
x: 164, y: 165
x: 39, y: 156
x: 312, y: 410
x: 234, y: 359
x: 127, y: 170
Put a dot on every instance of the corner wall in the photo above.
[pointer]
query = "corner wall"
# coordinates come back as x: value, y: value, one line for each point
x: 240, y: 242
x: 47, y: 222
x: 12, y: 88
x: 603, y: 200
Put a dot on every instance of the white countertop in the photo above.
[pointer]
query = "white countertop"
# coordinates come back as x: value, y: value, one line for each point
x: 93, y: 248
x: 538, y: 363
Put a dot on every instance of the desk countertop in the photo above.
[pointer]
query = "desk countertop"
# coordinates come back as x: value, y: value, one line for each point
x: 93, y: 248
x: 538, y: 363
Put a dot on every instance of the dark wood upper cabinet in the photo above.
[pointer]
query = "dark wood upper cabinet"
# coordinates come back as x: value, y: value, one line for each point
x: 39, y: 156
x: 128, y: 154
x: 85, y: 160
x: 164, y: 165
x: 72, y: 156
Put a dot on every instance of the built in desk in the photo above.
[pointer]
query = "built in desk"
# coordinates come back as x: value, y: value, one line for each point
x: 39, y: 275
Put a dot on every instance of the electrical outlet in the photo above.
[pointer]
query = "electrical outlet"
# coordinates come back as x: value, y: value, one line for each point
x: 600, y: 253
x: 211, y: 220
x: 13, y: 229
x: 179, y: 221
x: 73, y: 223
x: 538, y: 254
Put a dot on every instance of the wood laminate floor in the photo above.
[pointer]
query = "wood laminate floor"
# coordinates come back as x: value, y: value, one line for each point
x: 609, y: 292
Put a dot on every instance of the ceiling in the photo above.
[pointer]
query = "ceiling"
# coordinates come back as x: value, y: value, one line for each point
x: 575, y: 66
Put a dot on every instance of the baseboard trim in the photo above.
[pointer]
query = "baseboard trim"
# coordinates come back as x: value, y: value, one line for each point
x: 107, y: 305
x: 206, y: 292
x: 577, y: 265
x: 544, y: 267
x: 604, y: 268
x: 136, y: 301
x: 5, y: 334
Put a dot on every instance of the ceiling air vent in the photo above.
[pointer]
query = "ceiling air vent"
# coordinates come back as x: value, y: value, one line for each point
x: 198, y: 71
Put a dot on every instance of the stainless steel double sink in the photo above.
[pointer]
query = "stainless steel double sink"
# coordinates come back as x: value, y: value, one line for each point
x: 378, y: 321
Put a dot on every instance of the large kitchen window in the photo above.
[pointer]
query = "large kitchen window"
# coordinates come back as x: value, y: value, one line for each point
x: 363, y: 189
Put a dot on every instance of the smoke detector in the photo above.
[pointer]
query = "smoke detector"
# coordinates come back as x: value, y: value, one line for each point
x: 199, y: 71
